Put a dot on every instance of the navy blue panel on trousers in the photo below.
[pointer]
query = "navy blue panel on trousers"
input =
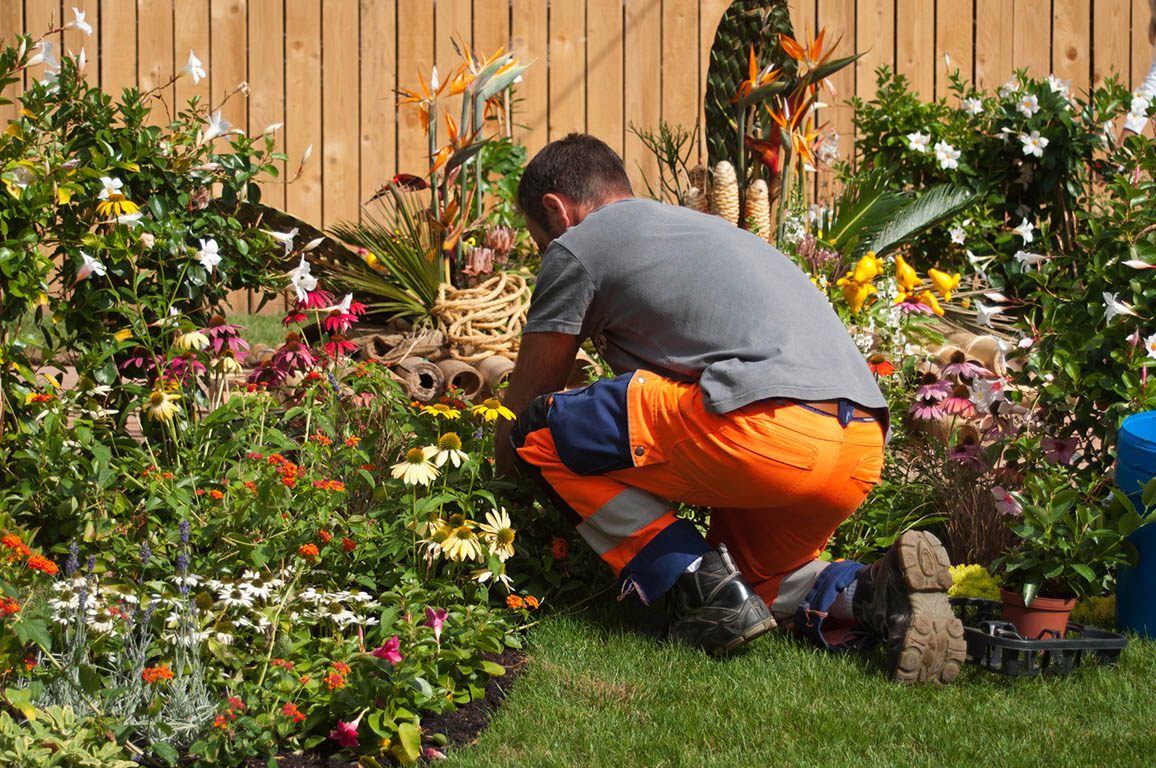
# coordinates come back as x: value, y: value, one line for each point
x: 591, y: 428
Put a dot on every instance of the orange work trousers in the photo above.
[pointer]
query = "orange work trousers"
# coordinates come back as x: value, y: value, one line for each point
x: 778, y: 476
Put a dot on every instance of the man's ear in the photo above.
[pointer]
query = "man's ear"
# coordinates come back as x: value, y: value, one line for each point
x: 559, y: 213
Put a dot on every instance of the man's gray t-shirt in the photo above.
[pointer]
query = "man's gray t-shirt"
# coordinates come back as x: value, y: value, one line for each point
x: 692, y: 297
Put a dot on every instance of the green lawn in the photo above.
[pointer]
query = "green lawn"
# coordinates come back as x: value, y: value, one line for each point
x: 595, y: 693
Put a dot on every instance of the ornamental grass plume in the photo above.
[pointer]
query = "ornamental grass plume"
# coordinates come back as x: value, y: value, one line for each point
x: 416, y: 468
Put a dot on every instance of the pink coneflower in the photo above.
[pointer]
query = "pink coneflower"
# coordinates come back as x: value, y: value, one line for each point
x: 926, y: 410
x: 933, y: 388
x: 342, y: 315
x: 222, y: 334
x: 315, y: 300
x: 959, y: 402
x: 266, y: 373
x: 967, y: 455
x: 959, y: 366
x: 912, y: 307
x: 183, y: 365
x: 338, y: 345
x: 293, y: 317
x: 140, y: 358
x: 293, y: 355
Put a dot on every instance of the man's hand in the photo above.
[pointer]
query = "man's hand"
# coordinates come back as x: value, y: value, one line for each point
x: 544, y: 364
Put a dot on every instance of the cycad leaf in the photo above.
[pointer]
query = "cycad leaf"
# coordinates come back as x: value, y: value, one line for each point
x: 863, y: 208
x: 934, y: 207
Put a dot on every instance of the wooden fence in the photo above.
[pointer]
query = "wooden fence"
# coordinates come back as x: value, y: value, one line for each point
x: 328, y: 68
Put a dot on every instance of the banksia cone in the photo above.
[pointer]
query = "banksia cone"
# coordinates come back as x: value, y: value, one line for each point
x: 758, y: 218
x: 724, y: 198
x: 697, y: 200
x: 700, y: 178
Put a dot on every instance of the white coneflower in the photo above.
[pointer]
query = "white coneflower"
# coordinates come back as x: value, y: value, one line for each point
x: 191, y: 340
x: 160, y: 405
x: 462, y: 543
x: 500, y: 535
x: 450, y: 449
x: 227, y: 364
x: 416, y: 469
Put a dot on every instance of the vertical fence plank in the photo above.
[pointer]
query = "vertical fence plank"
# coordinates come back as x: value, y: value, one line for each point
x: 953, y: 38
x: 914, y: 45
x: 267, y: 83
x: 117, y: 59
x: 378, y: 79
x: 340, y: 112
x: 993, y: 43
x: 1141, y: 58
x: 1072, y: 42
x: 529, y: 42
x: 837, y: 17
x: 155, y: 56
x: 568, y: 68
x: 491, y: 26
x: 875, y: 39
x: 76, y: 40
x: 303, y: 107
x: 710, y: 15
x: 227, y: 65
x: 453, y: 22
x: 1110, y: 46
x: 802, y: 17
x: 415, y: 54
x: 191, y: 33
x: 643, y: 107
x: 11, y: 23
x: 679, y: 61
x: 1031, y: 47
x: 39, y: 18
x: 604, y: 72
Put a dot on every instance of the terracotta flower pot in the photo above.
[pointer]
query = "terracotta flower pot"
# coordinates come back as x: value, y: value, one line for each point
x: 1043, y: 614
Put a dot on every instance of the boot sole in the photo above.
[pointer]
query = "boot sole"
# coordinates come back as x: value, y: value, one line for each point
x: 933, y: 649
x: 756, y: 630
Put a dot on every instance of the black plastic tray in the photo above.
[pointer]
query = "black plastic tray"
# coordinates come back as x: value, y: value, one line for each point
x: 994, y: 643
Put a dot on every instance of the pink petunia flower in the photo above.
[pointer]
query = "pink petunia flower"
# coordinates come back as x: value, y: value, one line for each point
x: 1059, y: 451
x: 435, y: 617
x: 1006, y: 503
x: 389, y: 651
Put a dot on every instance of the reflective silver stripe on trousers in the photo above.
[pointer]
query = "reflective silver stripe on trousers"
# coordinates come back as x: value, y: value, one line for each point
x: 794, y: 588
x: 624, y: 515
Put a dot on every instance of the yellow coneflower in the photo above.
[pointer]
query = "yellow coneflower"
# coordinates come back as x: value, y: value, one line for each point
x: 462, y: 544
x: 450, y: 449
x: 116, y: 205
x: 227, y: 363
x: 416, y: 469
x: 191, y: 340
x: 160, y: 405
x: 442, y: 410
x: 491, y: 409
x: 499, y: 534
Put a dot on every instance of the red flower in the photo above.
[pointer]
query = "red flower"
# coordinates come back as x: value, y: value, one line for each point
x: 348, y: 544
x: 216, y: 494
x: 345, y: 734
x: 880, y: 366
x: 9, y: 606
x: 351, y: 442
x: 321, y: 439
x: 15, y: 546
x: 308, y: 550
x: 560, y: 549
x: 159, y: 672
x: 532, y: 602
x: 220, y: 722
x: 338, y: 345
x: 389, y: 651
x: 325, y: 536
x: 39, y: 563
x: 290, y: 710
x: 334, y: 680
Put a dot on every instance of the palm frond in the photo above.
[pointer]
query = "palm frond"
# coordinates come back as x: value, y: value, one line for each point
x: 863, y: 208
x: 931, y: 209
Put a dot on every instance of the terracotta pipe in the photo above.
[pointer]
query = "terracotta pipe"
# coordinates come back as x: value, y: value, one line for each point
x: 462, y: 376
x: 495, y: 371
x: 424, y: 379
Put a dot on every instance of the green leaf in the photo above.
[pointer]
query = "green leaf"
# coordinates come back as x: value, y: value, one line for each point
x: 1084, y: 571
x: 934, y: 207
x: 863, y: 207
x: 410, y: 737
x: 1031, y: 589
x: 32, y: 631
x: 495, y: 670
x: 165, y: 752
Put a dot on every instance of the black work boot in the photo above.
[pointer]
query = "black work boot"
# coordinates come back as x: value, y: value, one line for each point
x: 714, y: 607
x: 903, y: 598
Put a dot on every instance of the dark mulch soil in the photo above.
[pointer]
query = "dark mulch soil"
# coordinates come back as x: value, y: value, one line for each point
x: 460, y: 727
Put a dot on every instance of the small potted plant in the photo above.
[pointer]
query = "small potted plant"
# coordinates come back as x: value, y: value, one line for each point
x: 1068, y: 542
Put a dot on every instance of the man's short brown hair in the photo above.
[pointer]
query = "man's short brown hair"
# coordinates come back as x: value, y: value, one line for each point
x: 580, y: 166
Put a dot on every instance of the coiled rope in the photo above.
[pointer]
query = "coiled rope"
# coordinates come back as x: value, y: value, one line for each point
x: 487, y: 319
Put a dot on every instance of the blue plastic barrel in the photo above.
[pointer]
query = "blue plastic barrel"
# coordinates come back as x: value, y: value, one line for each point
x: 1135, y: 466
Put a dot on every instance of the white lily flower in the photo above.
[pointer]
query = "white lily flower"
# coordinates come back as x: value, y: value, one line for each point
x: 313, y: 244
x: 272, y: 129
x: 973, y: 106
x: 1062, y: 87
x: 218, y: 126
x: 1025, y: 230
x: 1113, y: 307
x: 110, y: 185
x: 130, y: 220
x: 302, y: 279
x: 1135, y: 122
x: 1034, y: 143
x: 1026, y: 259
x: 44, y: 57
x: 285, y: 238
x: 308, y: 153
x: 984, y: 313
x: 947, y: 155
x: 918, y: 142
x: 1028, y: 105
x: 1150, y: 345
x: 193, y: 67
x: 958, y: 236
x: 343, y: 307
x: 1137, y: 264
x: 90, y: 267
x: 1010, y: 87
x: 208, y: 255
x: 81, y: 62
x: 1141, y: 103
x: 79, y: 23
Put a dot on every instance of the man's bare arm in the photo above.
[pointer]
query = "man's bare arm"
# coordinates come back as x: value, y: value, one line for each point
x: 544, y: 364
